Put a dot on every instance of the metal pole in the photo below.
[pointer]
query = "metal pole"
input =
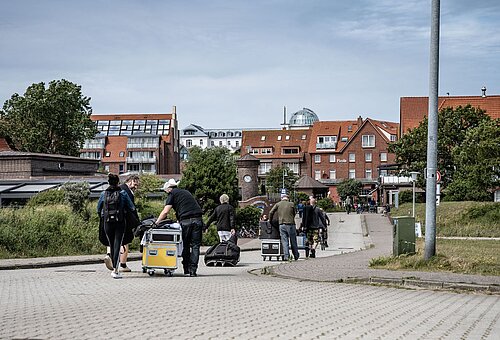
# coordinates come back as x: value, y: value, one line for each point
x: 432, y: 135
x: 413, y: 215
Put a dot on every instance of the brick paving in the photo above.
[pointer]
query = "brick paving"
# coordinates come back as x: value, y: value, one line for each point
x: 84, y: 302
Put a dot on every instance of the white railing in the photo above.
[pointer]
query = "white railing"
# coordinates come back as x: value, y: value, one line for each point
x: 141, y: 159
x: 329, y: 145
x: 395, y: 180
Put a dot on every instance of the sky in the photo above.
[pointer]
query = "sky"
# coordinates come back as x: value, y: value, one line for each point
x: 238, y: 63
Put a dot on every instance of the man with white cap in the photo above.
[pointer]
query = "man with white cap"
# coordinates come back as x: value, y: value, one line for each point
x: 189, y: 214
x: 286, y: 218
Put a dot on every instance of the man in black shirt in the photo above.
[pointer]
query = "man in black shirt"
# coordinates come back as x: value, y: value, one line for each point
x: 189, y: 214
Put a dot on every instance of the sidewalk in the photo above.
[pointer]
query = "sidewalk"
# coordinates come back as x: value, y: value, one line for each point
x: 59, y: 261
x: 376, y: 232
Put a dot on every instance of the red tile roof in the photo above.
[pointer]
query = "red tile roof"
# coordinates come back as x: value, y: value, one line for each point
x: 412, y: 110
x: 253, y: 138
x: 4, y: 146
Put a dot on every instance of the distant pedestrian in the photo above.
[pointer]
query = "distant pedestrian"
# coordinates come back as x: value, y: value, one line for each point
x: 348, y: 203
x: 224, y: 215
x: 112, y: 206
x: 288, y: 232
x: 189, y: 214
x: 300, y: 208
x: 312, y: 222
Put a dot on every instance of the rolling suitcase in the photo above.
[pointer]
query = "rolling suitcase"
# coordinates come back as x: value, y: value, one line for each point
x: 225, y: 253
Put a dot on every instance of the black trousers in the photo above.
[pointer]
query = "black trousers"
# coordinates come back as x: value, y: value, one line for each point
x: 191, y: 239
x: 114, y: 232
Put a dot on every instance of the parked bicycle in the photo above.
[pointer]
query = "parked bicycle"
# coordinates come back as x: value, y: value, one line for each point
x: 246, y: 233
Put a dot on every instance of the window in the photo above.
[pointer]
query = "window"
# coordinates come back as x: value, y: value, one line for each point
x: 349, y: 128
x: 304, y: 137
x: 290, y: 151
x: 383, y: 156
x: 368, y: 157
x: 263, y: 138
x: 220, y: 143
x: 344, y: 139
x: 189, y: 132
x: 383, y: 173
x: 108, y: 154
x: 393, y: 138
x: 264, y: 168
x: 266, y: 151
x: 352, y: 173
x: 189, y: 143
x: 352, y: 157
x: 279, y: 137
x: 332, y: 159
x: 237, y: 143
x: 201, y: 142
x: 292, y: 166
x: 287, y: 137
x: 317, y: 158
x: 229, y: 143
x: 106, y: 167
x: 368, y: 141
x: 317, y: 175
x: 368, y: 173
x: 121, y: 168
x: 333, y: 174
x: 122, y: 153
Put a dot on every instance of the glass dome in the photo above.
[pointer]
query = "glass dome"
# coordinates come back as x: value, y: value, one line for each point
x: 304, y: 117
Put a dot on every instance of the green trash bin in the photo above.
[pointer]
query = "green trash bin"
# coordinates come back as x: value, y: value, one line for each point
x: 404, y: 235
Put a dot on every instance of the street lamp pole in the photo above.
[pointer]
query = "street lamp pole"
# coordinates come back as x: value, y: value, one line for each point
x: 414, y: 175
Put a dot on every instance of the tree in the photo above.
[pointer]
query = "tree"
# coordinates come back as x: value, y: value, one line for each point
x: 49, y: 120
x: 274, y: 179
x: 453, y: 124
x: 477, y: 164
x: 210, y: 173
x: 349, y: 187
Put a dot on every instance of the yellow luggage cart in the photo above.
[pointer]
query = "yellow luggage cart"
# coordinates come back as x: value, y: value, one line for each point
x: 161, y: 250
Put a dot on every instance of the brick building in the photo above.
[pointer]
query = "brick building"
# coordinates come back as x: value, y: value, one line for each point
x: 412, y: 110
x: 147, y: 142
x: 328, y: 151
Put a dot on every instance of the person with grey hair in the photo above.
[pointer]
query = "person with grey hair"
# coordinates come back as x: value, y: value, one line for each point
x: 224, y: 215
x: 288, y: 232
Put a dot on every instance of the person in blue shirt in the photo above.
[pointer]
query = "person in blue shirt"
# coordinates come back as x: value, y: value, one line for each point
x: 112, y: 212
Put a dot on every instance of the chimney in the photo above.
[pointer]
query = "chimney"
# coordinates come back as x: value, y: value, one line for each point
x: 174, y: 109
x: 360, y: 121
x: 284, y: 115
x: 483, y: 89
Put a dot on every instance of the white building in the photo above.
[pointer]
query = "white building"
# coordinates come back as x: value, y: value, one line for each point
x: 195, y: 135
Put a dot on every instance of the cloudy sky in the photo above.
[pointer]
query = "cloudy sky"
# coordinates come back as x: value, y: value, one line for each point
x: 236, y: 63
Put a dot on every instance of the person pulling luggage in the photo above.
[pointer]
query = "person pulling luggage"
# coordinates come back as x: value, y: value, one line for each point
x: 224, y: 215
x: 286, y: 218
x: 189, y: 214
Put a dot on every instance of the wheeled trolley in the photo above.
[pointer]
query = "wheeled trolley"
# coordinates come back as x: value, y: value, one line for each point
x: 161, y: 250
x: 272, y: 248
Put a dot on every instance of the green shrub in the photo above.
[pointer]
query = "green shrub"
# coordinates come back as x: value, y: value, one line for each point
x: 248, y: 217
x: 49, y: 197
x: 76, y: 195
x: 210, y: 237
x: 326, y: 204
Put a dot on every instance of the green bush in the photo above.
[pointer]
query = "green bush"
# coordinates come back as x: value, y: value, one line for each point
x: 49, y: 197
x: 77, y: 196
x: 210, y: 237
x: 248, y: 217
x: 326, y: 204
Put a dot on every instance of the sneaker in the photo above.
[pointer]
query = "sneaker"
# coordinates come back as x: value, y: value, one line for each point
x: 193, y: 274
x: 108, y: 262
x: 116, y: 275
x: 125, y: 269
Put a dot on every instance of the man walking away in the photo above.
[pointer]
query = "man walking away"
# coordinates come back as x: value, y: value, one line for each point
x: 311, y: 223
x: 189, y: 214
x: 224, y: 215
x: 113, y: 204
x: 286, y: 218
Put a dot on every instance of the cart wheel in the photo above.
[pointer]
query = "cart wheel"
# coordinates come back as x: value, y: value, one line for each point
x: 168, y: 272
x: 144, y: 270
x: 263, y: 258
x: 151, y: 272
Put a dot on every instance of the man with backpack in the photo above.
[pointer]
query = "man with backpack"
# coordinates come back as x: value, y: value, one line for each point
x: 113, y: 204
x: 312, y: 222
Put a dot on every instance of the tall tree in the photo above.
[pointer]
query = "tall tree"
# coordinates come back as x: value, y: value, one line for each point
x: 210, y: 173
x: 453, y: 124
x: 52, y: 120
x: 477, y: 164
x: 276, y: 176
x: 349, y: 187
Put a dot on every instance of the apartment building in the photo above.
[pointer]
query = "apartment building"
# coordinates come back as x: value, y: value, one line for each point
x: 142, y: 142
x: 195, y: 135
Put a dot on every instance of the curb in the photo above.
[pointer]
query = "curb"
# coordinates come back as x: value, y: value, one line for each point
x: 74, y: 261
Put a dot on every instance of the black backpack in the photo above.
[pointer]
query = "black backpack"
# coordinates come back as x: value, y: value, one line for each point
x: 112, y: 211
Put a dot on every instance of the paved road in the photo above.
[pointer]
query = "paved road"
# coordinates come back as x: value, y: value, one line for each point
x: 83, y: 302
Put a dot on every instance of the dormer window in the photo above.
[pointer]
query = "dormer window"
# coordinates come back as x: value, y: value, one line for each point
x: 279, y: 137
x: 263, y: 138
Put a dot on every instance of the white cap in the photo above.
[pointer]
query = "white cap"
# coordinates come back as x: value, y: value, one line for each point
x: 170, y: 183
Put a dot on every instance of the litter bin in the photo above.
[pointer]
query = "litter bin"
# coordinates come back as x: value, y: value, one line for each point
x: 404, y: 235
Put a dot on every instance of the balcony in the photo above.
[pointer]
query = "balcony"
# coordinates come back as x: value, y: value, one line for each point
x: 326, y: 146
x: 142, y: 145
x: 395, y: 180
x: 141, y: 159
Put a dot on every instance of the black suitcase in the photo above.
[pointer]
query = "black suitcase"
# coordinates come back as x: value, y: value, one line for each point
x: 268, y: 230
x: 225, y: 253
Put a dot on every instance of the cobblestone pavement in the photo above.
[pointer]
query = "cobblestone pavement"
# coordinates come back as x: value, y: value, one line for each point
x: 84, y: 302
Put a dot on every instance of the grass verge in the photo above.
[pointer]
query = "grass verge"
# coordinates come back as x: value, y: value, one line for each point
x: 479, y: 257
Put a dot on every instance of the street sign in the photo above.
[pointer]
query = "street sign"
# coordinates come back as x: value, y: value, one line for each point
x: 438, y: 176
